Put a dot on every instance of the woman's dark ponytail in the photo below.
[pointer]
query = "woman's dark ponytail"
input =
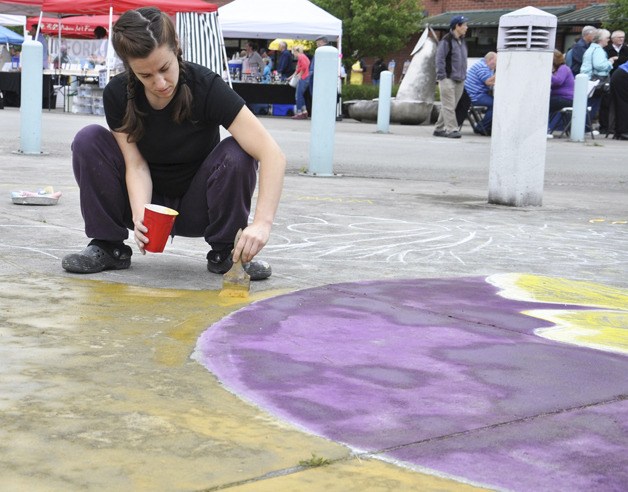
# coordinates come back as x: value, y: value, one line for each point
x: 182, y: 109
x: 133, y: 121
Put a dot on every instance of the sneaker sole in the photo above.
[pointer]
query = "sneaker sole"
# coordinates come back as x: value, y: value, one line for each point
x: 82, y: 264
x: 257, y: 270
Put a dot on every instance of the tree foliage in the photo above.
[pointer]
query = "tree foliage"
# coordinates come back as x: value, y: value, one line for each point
x: 374, y: 27
x: 618, y: 15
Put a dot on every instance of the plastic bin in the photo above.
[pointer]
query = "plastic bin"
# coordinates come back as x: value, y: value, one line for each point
x: 283, y: 109
x: 102, y: 78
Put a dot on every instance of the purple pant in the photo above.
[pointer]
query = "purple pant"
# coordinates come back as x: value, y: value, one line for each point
x: 215, y: 206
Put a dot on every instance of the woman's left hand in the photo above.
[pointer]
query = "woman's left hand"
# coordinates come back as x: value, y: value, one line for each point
x: 257, y: 142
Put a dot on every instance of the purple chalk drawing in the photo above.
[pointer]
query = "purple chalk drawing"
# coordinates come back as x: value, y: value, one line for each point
x: 439, y: 374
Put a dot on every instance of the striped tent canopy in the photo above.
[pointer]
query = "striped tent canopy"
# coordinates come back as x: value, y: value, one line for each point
x: 95, y: 7
x: 196, y: 21
x: 76, y: 26
x: 201, y: 40
x: 88, y: 7
x: 20, y: 7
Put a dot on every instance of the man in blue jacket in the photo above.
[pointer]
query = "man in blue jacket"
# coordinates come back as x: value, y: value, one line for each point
x: 577, y: 52
x: 284, y: 64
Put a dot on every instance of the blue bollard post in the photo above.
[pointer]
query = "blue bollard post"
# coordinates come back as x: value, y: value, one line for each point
x: 383, y: 105
x: 31, y: 97
x: 579, y: 111
x: 324, y: 112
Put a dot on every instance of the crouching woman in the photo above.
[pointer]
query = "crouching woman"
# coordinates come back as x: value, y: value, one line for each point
x: 164, y: 147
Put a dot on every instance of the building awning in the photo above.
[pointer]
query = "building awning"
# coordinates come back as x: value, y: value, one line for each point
x: 487, y: 18
x: 594, y: 15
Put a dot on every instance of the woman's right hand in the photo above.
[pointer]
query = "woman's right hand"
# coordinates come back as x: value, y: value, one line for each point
x: 139, y: 185
x: 139, y: 232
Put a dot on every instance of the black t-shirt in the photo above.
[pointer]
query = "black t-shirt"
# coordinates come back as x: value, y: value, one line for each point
x: 174, y: 151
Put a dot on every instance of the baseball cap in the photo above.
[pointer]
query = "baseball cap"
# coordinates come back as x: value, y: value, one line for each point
x: 457, y: 19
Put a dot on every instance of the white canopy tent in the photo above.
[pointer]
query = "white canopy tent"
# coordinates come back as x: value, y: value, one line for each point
x: 12, y: 20
x: 9, y: 20
x: 298, y: 19
x: 270, y: 19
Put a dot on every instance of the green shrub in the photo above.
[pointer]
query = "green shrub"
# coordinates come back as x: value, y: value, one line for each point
x: 358, y: 92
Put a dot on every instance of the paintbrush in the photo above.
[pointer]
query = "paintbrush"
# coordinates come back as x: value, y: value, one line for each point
x: 236, y: 282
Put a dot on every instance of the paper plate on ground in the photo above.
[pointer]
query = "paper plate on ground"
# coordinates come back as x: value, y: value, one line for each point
x: 46, y: 196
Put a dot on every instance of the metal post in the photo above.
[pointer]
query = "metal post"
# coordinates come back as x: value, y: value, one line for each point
x: 31, y: 97
x: 524, y: 67
x: 579, y: 109
x: 383, y: 106
x: 324, y: 112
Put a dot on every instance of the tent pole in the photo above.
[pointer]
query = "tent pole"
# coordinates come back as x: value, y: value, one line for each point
x: 109, y: 47
x: 339, y: 105
x: 58, y: 55
x: 41, y: 15
x: 58, y: 47
x: 225, y: 60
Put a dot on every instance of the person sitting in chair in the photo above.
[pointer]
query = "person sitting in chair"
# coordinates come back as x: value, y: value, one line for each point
x: 479, y: 85
x: 561, y: 95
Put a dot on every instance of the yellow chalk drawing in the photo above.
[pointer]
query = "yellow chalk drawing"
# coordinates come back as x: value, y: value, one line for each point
x: 613, y: 222
x: 605, y: 327
x: 99, y: 373
x: 603, y: 330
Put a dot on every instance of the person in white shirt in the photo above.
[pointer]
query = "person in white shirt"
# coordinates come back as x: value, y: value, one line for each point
x: 252, y: 64
x: 99, y: 57
x: 617, y: 47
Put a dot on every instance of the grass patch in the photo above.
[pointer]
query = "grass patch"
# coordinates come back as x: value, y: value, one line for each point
x: 314, y: 461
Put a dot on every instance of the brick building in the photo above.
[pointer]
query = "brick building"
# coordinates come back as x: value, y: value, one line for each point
x: 484, y: 20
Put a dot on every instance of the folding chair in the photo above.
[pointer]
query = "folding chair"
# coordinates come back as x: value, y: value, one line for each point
x: 475, y: 115
x: 462, y: 108
x: 466, y: 110
x: 565, y: 121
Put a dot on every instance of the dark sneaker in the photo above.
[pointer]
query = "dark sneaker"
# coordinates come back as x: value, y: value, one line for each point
x: 480, y: 131
x: 220, y: 262
x: 98, y: 256
x: 439, y: 133
x: 454, y: 134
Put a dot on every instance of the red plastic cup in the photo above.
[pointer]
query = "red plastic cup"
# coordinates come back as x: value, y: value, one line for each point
x: 159, y: 221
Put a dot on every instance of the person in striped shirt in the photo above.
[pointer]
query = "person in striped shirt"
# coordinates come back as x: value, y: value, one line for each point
x: 479, y: 86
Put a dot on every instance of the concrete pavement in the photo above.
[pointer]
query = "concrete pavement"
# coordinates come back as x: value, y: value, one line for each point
x: 99, y: 390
